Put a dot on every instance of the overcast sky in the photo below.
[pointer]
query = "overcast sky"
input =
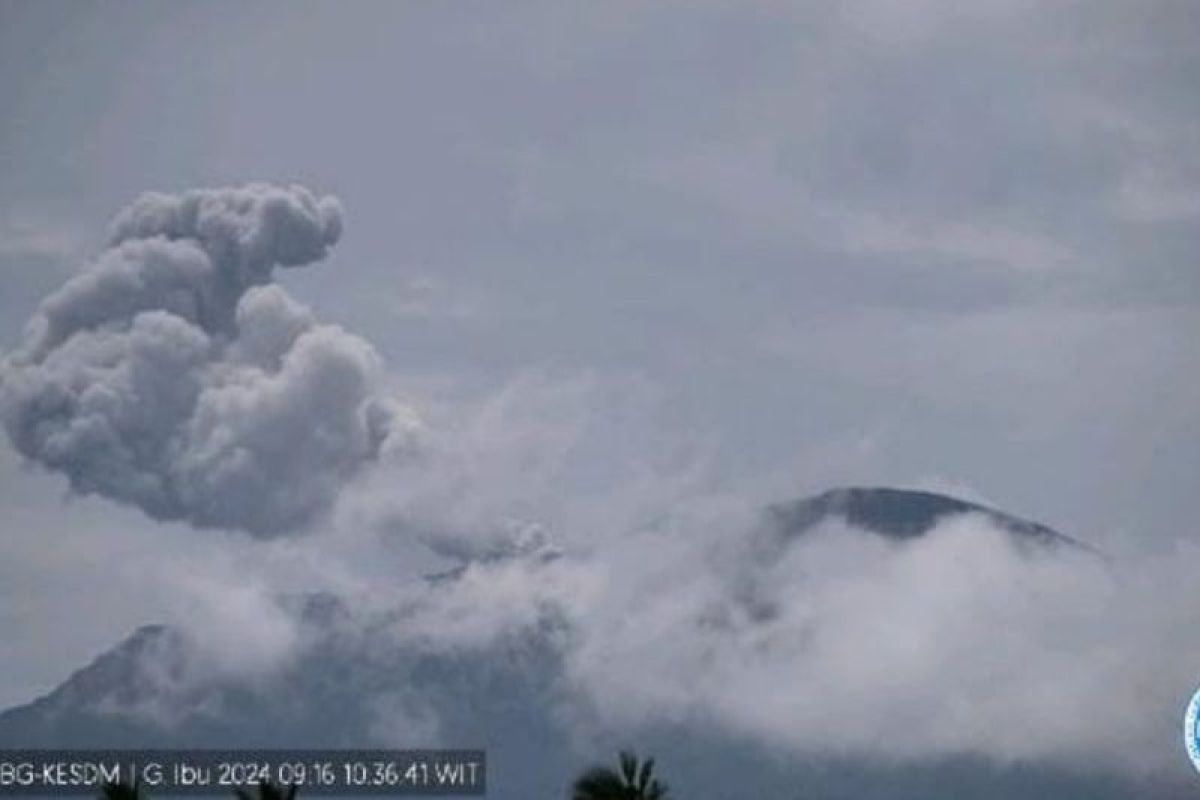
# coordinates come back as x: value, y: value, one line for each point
x: 925, y: 243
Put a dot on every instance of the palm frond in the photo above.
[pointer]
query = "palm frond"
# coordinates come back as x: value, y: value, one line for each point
x: 629, y: 765
x: 633, y: 781
x: 644, y: 776
x: 122, y: 791
x: 598, y: 783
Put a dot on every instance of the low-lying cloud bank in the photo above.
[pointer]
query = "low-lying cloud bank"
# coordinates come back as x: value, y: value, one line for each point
x: 172, y: 374
x: 956, y: 643
x: 652, y: 581
x: 964, y: 641
x: 960, y: 642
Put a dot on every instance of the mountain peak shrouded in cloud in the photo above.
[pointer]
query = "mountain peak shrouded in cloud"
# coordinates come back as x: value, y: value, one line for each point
x: 899, y: 514
x: 540, y: 659
x: 171, y: 374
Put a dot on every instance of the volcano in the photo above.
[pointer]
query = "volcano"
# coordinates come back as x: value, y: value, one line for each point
x: 351, y: 688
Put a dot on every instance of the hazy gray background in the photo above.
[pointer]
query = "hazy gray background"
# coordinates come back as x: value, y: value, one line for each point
x: 912, y: 243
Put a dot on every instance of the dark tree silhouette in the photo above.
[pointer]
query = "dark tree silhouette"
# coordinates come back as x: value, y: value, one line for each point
x: 268, y: 791
x: 632, y: 782
x: 120, y: 790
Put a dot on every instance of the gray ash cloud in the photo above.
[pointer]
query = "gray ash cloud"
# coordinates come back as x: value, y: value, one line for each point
x: 172, y: 374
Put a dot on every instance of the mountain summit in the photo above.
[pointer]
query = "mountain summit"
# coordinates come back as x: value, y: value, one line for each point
x: 899, y: 514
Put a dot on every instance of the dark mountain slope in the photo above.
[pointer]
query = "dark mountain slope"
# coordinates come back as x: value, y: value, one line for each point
x: 899, y: 514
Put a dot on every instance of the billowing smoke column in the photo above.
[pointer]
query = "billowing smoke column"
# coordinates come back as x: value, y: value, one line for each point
x: 171, y: 373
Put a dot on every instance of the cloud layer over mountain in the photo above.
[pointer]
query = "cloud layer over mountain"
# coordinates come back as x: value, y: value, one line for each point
x: 963, y: 641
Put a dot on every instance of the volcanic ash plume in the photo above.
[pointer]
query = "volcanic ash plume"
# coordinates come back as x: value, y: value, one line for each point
x: 172, y: 374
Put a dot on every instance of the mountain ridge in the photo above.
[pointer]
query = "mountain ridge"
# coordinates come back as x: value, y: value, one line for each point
x: 900, y: 514
x: 505, y: 698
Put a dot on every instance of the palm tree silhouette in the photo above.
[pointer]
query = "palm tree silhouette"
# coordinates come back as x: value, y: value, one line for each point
x: 632, y: 782
x: 268, y: 791
x: 119, y: 790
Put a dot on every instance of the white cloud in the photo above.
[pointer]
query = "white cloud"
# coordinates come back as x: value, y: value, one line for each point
x: 955, y: 643
x: 651, y: 583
